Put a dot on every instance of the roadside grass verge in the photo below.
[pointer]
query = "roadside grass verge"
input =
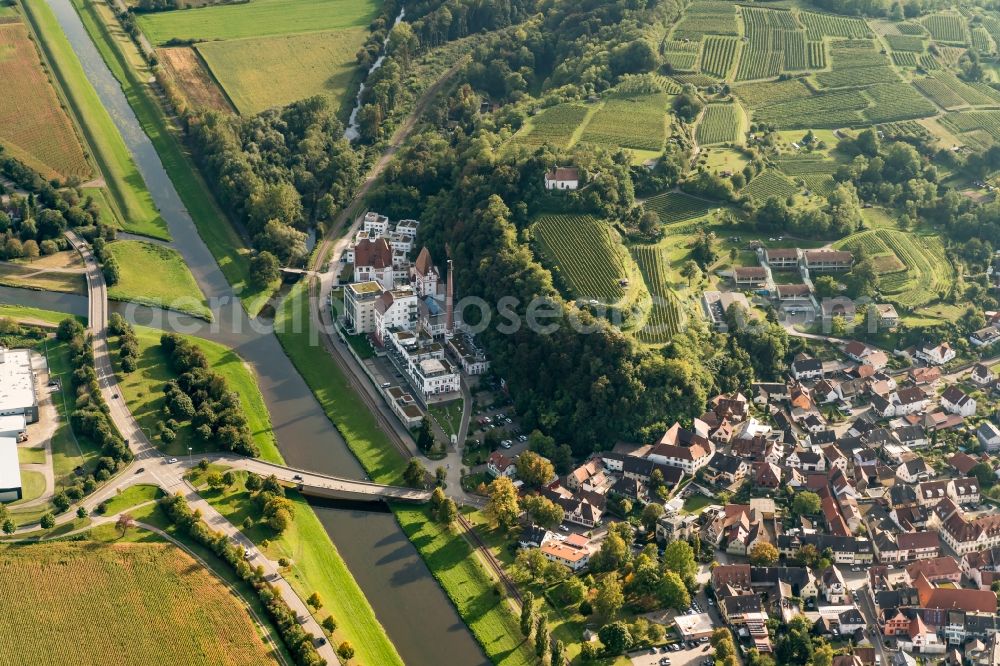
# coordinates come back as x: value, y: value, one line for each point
x: 132, y: 496
x: 157, y: 276
x: 316, y: 566
x: 135, y: 205
x: 143, y: 391
x: 342, y: 405
x: 26, y: 313
x: 216, y: 230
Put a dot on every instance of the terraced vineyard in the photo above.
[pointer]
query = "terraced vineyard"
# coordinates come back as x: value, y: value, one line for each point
x: 904, y: 58
x: 706, y: 18
x: 817, y: 55
x: 838, y: 108
x: 950, y: 92
x: 666, y: 315
x: 673, y: 207
x: 974, y: 121
x: 721, y: 123
x: 581, y: 252
x: 981, y: 40
x: 718, y: 56
x: 949, y: 28
x: 636, y: 84
x: 819, y: 26
x: 554, y: 125
x: 856, y: 63
x: 896, y: 101
x: 764, y: 54
x: 769, y: 184
x: 913, y: 43
x: 816, y: 172
x: 630, y: 121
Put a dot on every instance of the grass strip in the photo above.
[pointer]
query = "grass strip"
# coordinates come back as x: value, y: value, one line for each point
x: 135, y: 205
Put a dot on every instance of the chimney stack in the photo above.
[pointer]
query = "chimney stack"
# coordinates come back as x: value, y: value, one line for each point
x: 450, y: 301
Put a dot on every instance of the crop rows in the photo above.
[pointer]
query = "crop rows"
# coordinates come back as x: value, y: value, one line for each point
x: 816, y: 172
x: 630, y: 121
x: 973, y: 121
x: 666, y: 316
x: 896, y: 101
x: 929, y: 62
x: 913, y: 43
x: 581, y: 251
x: 680, y: 60
x: 673, y: 207
x: 872, y: 244
x: 768, y: 93
x: 554, y: 125
x: 677, y: 46
x: 827, y: 25
x: 817, y: 55
x: 905, y: 129
x: 718, y: 56
x: 992, y: 25
x: 824, y: 110
x: 856, y: 63
x: 937, y: 91
x: 796, y: 51
x: 720, y: 124
x: 904, y: 58
x: 706, y: 18
x: 908, y: 28
x: 636, y: 84
x: 698, y: 80
x: 958, y: 91
x: 927, y: 269
x: 769, y: 184
x: 950, y: 55
x: 981, y: 40
x: 946, y: 28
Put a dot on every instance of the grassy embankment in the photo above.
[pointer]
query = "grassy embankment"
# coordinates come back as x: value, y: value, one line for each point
x: 155, y: 275
x: 223, y: 241
x: 136, y: 209
x: 143, y: 391
x: 445, y: 551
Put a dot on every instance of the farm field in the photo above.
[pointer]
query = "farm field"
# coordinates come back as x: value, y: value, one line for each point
x: 949, y: 28
x: 769, y: 184
x: 706, y: 18
x: 581, y: 251
x: 194, y: 81
x: 261, y: 73
x: 816, y: 172
x: 173, y: 288
x: 678, y: 207
x: 556, y: 125
x: 127, y: 593
x: 721, y: 123
x: 27, y: 277
x: 666, y: 315
x: 143, y: 391
x: 259, y: 18
x: 645, y: 129
x: 719, y: 55
x: 33, y: 126
x: 134, y: 204
x: 819, y: 26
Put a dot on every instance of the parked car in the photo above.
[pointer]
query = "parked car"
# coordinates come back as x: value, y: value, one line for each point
x: 172, y: 460
x: 506, y: 443
x: 297, y: 477
x: 386, y: 384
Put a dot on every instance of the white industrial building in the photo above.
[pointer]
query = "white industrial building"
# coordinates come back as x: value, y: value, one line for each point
x: 10, y: 471
x: 14, y: 425
x: 17, y: 385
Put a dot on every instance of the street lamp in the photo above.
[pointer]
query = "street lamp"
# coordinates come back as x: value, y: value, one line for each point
x: 190, y: 449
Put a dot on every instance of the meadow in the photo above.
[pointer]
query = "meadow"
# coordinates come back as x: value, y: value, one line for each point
x: 157, y: 276
x: 116, y: 601
x: 261, y: 73
x: 581, y: 251
x: 143, y: 391
x: 33, y: 125
x: 259, y: 18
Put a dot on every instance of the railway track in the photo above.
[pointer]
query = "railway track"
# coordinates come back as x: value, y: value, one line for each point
x: 490, y: 558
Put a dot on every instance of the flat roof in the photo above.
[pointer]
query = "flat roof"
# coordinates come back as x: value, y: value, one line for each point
x: 10, y: 467
x: 17, y: 384
x: 13, y: 423
x: 699, y: 623
x: 370, y: 287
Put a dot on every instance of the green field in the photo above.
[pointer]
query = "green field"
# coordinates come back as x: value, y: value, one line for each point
x: 638, y: 122
x: 666, y: 316
x: 116, y: 600
x: 815, y: 171
x: 143, y: 390
x: 556, y: 125
x: 134, y: 203
x: 156, y: 276
x: 719, y: 55
x: 316, y: 567
x: 225, y: 244
x: 580, y: 249
x: 259, y: 18
x: 451, y: 560
x: 678, y: 207
x: 132, y: 496
x: 258, y: 74
x: 769, y: 184
x: 721, y: 123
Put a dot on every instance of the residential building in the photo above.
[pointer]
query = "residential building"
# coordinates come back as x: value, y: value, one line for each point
x: 562, y: 178
x: 566, y: 554
x: 359, y: 306
x: 828, y: 260
x: 424, y: 275
x: 981, y: 375
x: 985, y: 336
x: 807, y: 368
x: 750, y: 277
x: 782, y: 258
x: 500, y: 465
x: 988, y: 435
x: 936, y: 354
x: 887, y: 315
x: 956, y: 401
x: 395, y: 309
x: 373, y: 261
x: 717, y: 303
x: 682, y: 448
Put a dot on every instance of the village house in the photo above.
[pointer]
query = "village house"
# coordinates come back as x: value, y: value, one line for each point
x: 925, y: 376
x: 572, y: 552
x: 500, y: 465
x: 806, y: 367
x: 782, y: 258
x: 682, y: 448
x: 985, y: 337
x: 562, y: 178
x: 936, y: 354
x: 828, y: 260
x: 750, y: 277
x: 887, y: 315
x: 981, y: 375
x: 956, y: 401
x: 988, y: 435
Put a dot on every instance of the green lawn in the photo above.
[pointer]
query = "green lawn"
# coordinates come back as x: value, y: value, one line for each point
x: 316, y: 567
x: 342, y: 405
x: 32, y: 487
x: 68, y: 452
x: 448, y: 416
x: 696, y: 503
x: 257, y: 19
x: 21, y: 312
x: 266, y: 72
x: 451, y: 560
x: 30, y: 455
x: 223, y: 241
x: 132, y: 496
x: 157, y: 276
x: 136, y: 208
x: 143, y: 392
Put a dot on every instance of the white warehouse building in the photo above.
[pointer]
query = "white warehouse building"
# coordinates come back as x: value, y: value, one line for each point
x: 17, y: 385
x: 10, y: 471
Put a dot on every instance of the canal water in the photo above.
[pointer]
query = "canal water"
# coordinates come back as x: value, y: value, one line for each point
x: 417, y: 615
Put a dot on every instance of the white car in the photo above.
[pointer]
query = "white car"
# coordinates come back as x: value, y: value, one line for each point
x: 172, y: 460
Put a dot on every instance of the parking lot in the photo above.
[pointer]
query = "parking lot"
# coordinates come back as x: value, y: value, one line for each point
x: 700, y: 653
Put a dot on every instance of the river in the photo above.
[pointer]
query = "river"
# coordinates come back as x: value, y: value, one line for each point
x: 414, y: 610
x: 351, y: 133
